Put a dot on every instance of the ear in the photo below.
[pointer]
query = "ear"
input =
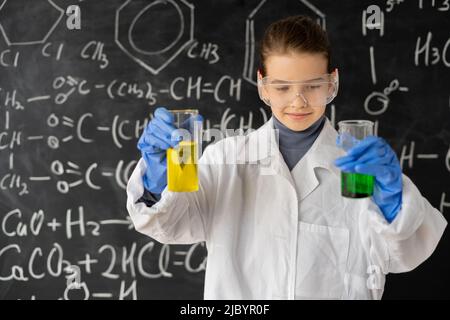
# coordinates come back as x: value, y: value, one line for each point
x: 261, y: 92
x: 335, y: 72
x: 258, y: 74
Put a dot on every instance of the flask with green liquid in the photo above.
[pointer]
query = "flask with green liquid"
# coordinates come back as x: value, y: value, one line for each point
x: 355, y: 185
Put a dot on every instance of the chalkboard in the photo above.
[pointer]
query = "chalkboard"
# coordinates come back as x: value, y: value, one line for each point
x: 73, y: 103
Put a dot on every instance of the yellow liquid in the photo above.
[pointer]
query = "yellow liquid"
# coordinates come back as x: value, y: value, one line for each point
x: 182, y: 167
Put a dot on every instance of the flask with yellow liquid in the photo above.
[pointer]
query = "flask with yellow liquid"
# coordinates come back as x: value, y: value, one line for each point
x: 182, y: 170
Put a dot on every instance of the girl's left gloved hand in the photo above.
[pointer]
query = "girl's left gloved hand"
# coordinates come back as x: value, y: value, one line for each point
x: 374, y: 156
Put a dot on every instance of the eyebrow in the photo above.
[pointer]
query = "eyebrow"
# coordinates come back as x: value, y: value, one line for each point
x: 321, y: 78
x: 276, y: 81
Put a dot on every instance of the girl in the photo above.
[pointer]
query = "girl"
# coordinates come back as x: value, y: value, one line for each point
x: 274, y: 221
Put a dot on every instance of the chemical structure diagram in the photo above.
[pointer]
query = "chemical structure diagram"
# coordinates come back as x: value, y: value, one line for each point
x: 157, y: 32
x: 16, y: 28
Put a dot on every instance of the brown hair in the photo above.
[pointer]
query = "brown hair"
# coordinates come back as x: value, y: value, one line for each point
x: 298, y: 33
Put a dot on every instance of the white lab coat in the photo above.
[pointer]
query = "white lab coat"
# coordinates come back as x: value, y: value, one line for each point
x: 275, y: 234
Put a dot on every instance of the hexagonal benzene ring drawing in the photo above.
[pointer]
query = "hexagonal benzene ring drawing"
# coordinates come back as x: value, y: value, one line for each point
x: 154, y: 33
x: 268, y: 11
x: 25, y: 22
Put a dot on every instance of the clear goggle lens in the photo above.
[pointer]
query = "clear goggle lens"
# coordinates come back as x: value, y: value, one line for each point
x: 315, y: 93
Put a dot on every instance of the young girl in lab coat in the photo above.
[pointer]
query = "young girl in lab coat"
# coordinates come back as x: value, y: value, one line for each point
x: 273, y: 218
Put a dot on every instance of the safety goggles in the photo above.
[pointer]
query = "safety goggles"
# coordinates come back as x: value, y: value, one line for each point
x: 317, y: 92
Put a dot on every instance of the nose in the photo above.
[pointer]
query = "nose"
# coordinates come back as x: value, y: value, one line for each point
x: 302, y: 103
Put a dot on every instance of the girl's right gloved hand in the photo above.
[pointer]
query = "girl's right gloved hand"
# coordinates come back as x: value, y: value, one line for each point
x: 153, y: 143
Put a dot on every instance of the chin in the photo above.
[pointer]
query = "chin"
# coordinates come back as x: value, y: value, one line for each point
x: 297, y: 125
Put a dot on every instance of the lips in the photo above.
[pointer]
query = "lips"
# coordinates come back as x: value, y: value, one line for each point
x: 298, y: 114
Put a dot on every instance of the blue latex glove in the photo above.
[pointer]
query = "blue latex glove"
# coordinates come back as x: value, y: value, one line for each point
x: 374, y: 156
x: 153, y: 143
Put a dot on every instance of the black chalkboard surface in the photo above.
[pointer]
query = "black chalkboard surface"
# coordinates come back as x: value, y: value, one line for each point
x: 74, y: 102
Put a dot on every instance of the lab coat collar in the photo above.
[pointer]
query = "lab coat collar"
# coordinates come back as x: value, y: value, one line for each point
x: 321, y: 154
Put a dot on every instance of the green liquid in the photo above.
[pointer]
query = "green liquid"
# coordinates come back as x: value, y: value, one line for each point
x: 356, y: 185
